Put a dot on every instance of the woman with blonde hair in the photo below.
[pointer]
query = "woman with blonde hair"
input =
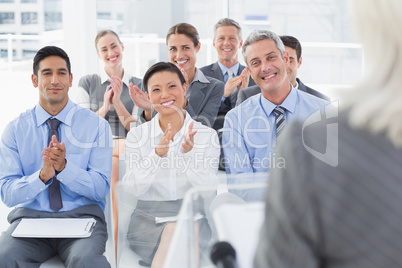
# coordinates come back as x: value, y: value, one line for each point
x: 204, y: 94
x: 107, y: 94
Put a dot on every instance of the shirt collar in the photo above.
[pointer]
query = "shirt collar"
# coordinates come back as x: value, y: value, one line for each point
x: 289, y: 103
x: 199, y: 76
x: 64, y: 115
x: 297, y: 85
x: 234, y: 68
x: 105, y: 77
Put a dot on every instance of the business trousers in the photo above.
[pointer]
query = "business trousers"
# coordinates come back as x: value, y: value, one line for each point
x: 74, y: 252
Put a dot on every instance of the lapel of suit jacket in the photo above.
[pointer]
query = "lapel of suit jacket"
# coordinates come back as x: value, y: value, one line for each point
x: 216, y: 72
x: 241, y: 68
x: 198, y: 93
x: 302, y: 87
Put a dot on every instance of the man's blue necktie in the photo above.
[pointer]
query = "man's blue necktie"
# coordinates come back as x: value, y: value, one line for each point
x: 54, y: 189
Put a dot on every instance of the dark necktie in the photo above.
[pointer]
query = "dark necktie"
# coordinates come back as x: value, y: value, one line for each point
x: 54, y: 188
x: 279, y: 112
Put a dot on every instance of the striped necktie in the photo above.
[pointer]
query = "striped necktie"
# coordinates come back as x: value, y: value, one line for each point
x: 279, y: 112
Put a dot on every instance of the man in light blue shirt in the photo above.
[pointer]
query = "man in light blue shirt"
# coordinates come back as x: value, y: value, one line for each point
x: 249, y: 133
x: 79, y: 160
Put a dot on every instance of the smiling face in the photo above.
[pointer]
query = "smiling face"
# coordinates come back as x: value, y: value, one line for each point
x: 227, y: 43
x: 267, y: 67
x: 53, y: 81
x: 166, y: 92
x: 110, y: 50
x: 294, y: 64
x: 182, y: 51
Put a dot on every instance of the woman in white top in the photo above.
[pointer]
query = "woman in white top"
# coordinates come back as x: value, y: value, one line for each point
x: 164, y: 158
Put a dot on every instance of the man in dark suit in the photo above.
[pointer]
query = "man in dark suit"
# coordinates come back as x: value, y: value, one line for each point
x: 293, y: 47
x: 227, y: 41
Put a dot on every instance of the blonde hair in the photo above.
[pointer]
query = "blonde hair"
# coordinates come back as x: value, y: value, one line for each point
x: 376, y: 103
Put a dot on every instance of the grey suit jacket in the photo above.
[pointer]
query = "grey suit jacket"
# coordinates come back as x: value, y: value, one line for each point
x: 333, y: 214
x: 205, y: 100
x: 251, y: 91
x: 213, y: 70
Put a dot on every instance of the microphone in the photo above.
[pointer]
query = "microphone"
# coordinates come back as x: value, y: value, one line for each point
x: 223, y: 255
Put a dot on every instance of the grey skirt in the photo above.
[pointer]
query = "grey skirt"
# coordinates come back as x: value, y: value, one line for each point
x: 144, y: 234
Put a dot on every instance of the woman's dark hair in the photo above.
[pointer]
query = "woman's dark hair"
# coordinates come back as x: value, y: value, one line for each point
x: 184, y: 28
x: 47, y: 52
x: 161, y: 67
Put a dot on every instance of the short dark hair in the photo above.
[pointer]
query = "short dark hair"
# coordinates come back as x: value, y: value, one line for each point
x: 47, y: 52
x: 292, y: 42
x: 161, y: 67
x: 184, y: 28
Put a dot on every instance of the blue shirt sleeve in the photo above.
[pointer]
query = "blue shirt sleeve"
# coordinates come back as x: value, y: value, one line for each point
x: 236, y: 155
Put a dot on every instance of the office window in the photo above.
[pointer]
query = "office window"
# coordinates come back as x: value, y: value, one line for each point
x: 28, y: 54
x: 53, y: 21
x: 6, y: 1
x: 29, y: 18
x: 4, y: 53
x: 29, y: 1
x: 7, y: 18
x: 104, y: 15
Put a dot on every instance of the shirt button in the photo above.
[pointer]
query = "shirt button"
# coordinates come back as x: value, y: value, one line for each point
x: 60, y: 180
x: 41, y: 189
x: 27, y: 198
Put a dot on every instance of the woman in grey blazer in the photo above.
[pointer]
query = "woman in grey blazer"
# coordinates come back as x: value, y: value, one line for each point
x: 204, y: 93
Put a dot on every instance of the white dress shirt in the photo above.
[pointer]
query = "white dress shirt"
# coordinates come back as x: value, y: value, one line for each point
x: 154, y: 178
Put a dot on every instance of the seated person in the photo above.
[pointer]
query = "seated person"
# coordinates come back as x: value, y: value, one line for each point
x: 55, y: 162
x: 107, y: 94
x: 204, y: 93
x: 252, y: 128
x: 293, y: 47
x: 342, y: 208
x: 164, y: 158
x: 227, y: 42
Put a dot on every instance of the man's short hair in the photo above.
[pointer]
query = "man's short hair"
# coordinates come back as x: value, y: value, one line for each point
x: 227, y: 22
x: 259, y: 35
x: 292, y: 42
x: 47, y: 52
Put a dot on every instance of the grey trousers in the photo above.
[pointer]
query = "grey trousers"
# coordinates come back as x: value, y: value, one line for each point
x: 31, y: 252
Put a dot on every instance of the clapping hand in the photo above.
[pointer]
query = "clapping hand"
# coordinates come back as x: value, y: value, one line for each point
x: 139, y: 98
x: 53, y: 159
x: 245, y: 79
x: 188, y: 143
x: 117, y: 88
x: 163, y: 147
